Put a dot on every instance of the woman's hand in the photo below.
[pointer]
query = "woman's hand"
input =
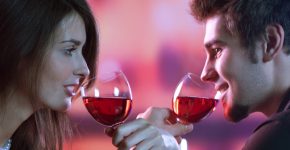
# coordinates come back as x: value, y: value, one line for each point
x: 152, y: 130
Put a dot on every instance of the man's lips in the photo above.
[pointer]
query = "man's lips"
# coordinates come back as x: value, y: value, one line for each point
x: 221, y: 91
x: 222, y: 88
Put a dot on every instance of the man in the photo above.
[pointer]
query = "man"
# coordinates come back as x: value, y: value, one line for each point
x: 248, y: 59
x: 247, y: 47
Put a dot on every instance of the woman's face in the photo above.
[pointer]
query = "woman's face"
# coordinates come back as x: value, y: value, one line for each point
x: 65, y: 64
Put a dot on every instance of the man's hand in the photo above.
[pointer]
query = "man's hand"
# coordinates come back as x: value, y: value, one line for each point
x: 156, y: 128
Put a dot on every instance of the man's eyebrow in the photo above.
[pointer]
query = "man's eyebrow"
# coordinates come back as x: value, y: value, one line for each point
x: 76, y: 42
x: 212, y: 42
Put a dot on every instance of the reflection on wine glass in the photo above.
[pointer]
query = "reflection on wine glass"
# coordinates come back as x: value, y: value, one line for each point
x: 109, y: 99
x: 193, y: 99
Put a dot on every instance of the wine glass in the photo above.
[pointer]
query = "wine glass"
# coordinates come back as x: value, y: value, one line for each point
x: 193, y: 99
x: 109, y: 99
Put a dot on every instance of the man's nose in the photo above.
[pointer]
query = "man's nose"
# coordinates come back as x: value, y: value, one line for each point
x: 209, y: 74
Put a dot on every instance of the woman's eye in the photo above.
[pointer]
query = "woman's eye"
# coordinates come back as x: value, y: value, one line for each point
x: 70, y: 51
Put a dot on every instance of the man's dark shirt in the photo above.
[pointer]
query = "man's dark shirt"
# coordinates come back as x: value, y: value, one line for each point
x: 273, y: 134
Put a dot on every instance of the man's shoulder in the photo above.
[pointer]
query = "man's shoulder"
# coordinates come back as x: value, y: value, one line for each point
x: 271, y: 134
x: 277, y: 120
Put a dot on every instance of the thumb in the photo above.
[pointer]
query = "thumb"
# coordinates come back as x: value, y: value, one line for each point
x: 179, y: 129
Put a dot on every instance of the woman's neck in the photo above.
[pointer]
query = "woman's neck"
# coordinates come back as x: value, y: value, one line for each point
x: 16, y: 110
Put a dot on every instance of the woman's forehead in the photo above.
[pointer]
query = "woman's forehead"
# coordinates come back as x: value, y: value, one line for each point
x: 71, y: 27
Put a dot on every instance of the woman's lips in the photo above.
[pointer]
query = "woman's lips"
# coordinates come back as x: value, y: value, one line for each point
x: 70, y: 90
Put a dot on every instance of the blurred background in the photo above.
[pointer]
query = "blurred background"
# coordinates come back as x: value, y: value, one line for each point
x: 154, y: 42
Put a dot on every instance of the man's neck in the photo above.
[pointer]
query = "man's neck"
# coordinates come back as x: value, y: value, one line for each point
x: 275, y: 103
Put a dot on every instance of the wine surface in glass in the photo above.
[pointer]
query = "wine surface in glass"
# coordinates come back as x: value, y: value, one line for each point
x: 193, y: 109
x: 108, y: 110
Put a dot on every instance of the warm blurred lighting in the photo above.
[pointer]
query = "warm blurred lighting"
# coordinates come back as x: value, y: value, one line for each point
x: 218, y: 95
x: 97, y: 92
x: 177, y: 91
x: 116, y: 91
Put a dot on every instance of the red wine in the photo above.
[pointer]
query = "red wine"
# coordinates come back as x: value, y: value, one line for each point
x: 108, y: 110
x: 193, y: 109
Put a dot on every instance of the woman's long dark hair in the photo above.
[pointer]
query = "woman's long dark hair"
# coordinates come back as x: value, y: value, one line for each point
x: 26, y: 28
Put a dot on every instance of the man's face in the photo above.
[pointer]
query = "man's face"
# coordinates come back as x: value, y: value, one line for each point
x: 245, y: 86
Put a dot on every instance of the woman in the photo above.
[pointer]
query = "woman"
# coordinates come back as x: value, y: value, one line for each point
x: 47, y: 48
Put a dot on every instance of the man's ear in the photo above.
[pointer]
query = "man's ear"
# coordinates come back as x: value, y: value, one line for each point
x: 274, y: 41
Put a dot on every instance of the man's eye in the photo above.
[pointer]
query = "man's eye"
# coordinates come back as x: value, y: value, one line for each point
x: 217, y: 52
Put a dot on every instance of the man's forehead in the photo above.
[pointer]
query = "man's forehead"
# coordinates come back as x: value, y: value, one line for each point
x: 215, y: 29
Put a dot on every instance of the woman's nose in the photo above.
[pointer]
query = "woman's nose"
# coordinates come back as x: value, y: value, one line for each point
x: 82, y: 68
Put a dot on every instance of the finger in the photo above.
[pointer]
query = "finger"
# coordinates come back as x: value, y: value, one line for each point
x: 163, y: 140
x: 161, y: 114
x: 166, y: 119
x: 126, y: 129
x: 156, y: 148
x: 149, y: 132
x: 156, y: 115
x: 149, y: 143
x: 178, y: 129
x: 140, y: 115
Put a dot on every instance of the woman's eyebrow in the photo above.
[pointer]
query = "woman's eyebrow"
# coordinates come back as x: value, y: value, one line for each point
x: 76, y: 42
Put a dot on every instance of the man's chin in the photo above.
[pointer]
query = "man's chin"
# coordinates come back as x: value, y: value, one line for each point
x: 236, y: 114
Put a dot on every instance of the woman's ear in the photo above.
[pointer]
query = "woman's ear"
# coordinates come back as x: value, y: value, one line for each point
x: 274, y: 41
